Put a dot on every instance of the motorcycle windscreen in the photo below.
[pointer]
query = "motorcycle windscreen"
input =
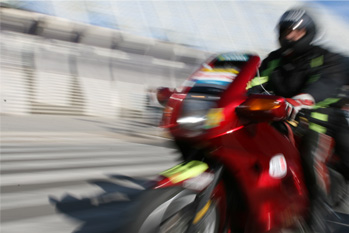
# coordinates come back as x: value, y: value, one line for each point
x: 215, y: 77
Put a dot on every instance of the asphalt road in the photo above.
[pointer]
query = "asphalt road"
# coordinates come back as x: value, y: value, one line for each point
x: 79, y: 174
x: 63, y: 174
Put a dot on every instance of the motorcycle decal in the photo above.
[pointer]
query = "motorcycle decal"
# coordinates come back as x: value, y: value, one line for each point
x: 208, y: 75
x: 212, y: 75
x: 202, y: 212
x: 185, y: 171
x: 214, y: 117
x: 222, y: 70
x: 278, y: 166
x: 213, y: 82
x: 233, y: 57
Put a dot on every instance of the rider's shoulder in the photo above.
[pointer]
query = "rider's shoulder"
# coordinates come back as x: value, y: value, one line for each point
x: 273, y: 55
x: 328, y: 53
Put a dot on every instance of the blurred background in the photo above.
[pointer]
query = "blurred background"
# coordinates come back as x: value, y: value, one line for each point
x: 77, y: 111
x: 99, y: 58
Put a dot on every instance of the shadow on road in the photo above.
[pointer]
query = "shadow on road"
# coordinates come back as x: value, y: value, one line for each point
x: 107, y: 212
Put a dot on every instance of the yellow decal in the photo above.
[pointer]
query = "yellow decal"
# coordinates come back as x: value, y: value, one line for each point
x: 202, y: 212
x: 214, y: 117
x: 231, y: 70
x: 185, y: 171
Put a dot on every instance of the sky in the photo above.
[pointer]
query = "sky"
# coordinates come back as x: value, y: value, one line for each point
x: 341, y: 8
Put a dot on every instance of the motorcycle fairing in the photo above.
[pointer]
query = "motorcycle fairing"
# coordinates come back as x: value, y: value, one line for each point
x: 247, y: 154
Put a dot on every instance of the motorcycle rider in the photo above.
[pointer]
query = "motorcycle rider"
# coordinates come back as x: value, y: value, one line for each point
x: 312, y: 79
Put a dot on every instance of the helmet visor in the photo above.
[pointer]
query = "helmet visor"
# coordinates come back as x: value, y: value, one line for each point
x: 286, y: 27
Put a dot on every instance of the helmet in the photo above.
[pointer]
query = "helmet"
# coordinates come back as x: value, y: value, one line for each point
x: 292, y: 20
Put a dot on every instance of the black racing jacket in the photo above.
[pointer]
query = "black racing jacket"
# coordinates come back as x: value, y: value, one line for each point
x: 318, y: 72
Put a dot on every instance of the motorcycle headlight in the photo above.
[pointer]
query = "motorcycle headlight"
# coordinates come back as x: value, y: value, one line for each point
x: 191, y: 120
x: 192, y: 123
x: 193, y: 115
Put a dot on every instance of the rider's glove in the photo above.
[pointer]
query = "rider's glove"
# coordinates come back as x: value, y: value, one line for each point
x: 298, y: 102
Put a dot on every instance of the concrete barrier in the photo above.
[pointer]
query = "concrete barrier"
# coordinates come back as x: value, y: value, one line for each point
x: 14, y: 92
x: 53, y: 66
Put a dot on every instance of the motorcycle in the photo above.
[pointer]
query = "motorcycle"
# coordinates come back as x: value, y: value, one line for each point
x: 240, y: 172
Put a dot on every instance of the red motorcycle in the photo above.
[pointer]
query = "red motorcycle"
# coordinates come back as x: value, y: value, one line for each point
x: 241, y: 174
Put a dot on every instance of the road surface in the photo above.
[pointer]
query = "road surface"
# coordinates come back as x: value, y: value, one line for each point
x: 79, y: 174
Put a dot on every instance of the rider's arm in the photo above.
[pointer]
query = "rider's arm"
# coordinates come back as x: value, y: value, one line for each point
x: 260, y: 84
x: 329, y: 79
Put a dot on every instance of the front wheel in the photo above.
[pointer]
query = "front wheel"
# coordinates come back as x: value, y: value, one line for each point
x: 172, y: 210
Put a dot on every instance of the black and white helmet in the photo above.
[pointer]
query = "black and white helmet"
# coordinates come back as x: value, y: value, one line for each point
x: 296, y: 19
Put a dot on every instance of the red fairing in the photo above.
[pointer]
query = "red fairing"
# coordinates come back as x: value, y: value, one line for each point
x: 172, y: 110
x: 272, y: 201
x: 238, y: 88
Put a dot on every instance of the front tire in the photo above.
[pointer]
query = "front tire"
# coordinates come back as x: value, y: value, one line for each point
x: 170, y: 210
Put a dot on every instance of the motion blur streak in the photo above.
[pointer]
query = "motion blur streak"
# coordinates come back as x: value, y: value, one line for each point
x: 77, y: 142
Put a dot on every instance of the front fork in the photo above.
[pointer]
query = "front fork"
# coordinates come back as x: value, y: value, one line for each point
x: 204, y: 200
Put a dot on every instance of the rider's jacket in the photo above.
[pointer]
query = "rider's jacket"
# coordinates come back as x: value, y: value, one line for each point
x: 317, y: 72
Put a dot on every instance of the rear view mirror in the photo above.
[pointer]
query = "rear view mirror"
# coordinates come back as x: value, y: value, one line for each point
x: 263, y: 108
x: 163, y: 94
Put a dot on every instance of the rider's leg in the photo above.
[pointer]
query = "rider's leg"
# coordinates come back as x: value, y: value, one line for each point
x: 315, y: 149
x: 341, y: 136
